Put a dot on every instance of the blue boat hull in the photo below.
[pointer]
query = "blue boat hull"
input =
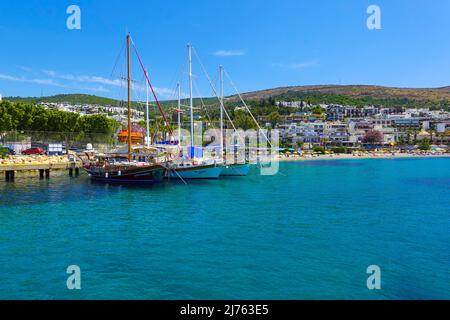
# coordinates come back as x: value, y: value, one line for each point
x: 197, y: 172
x: 235, y: 170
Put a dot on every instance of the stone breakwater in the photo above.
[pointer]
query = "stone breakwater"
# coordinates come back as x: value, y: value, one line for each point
x: 33, y: 160
x: 27, y: 165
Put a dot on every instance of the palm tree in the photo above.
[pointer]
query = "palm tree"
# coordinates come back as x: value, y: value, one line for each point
x: 441, y: 135
x: 409, y: 132
x: 431, y: 131
x: 415, y: 131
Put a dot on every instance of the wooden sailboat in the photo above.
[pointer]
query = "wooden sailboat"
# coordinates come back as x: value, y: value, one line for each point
x: 118, y: 168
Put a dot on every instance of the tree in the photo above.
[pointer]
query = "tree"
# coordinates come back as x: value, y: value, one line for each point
x: 339, y: 150
x: 317, y: 110
x: 424, y: 145
x: 373, y: 137
x: 5, y: 120
x: 274, y: 118
x: 320, y: 150
x: 29, y: 117
x: 243, y: 121
x: 415, y: 132
x: 432, y: 131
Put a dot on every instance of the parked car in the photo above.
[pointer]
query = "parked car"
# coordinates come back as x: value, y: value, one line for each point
x: 33, y: 151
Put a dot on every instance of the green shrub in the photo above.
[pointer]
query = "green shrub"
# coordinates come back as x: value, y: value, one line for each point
x: 424, y: 145
x: 319, y: 150
x: 339, y: 150
x: 3, y: 152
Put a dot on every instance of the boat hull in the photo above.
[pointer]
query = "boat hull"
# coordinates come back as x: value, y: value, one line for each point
x: 235, y: 170
x: 198, y: 172
x: 145, y: 174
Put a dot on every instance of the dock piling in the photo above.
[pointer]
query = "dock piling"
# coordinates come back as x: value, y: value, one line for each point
x: 9, y: 175
x: 43, y: 168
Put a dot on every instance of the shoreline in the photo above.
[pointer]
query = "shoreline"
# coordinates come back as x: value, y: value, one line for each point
x: 366, y: 156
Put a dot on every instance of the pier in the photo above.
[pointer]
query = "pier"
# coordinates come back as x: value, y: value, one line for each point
x: 43, y: 169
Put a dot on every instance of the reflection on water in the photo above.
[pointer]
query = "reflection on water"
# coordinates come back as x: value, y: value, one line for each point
x: 31, y: 190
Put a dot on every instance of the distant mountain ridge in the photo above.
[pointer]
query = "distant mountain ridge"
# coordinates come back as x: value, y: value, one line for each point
x: 68, y: 98
x: 79, y: 98
x: 359, y: 95
x: 315, y: 94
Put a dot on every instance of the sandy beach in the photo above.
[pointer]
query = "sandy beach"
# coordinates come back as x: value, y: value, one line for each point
x: 362, y: 156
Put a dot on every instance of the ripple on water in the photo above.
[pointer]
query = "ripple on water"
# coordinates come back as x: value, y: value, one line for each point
x: 309, y: 232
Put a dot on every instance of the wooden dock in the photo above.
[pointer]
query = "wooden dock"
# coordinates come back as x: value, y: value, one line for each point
x: 44, y: 169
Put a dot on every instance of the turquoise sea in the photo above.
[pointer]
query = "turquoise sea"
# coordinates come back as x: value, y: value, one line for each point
x: 309, y: 232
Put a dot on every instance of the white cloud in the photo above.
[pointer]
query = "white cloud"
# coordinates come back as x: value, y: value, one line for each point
x: 50, y: 82
x: 26, y: 69
x: 70, y: 81
x: 122, y: 83
x: 8, y: 77
x: 230, y: 53
x: 94, y: 89
x: 83, y: 78
x: 302, y: 65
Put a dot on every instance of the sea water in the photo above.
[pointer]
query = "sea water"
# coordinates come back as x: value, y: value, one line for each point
x: 309, y: 232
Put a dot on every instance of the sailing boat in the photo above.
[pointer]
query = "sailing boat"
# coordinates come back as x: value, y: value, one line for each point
x: 235, y: 170
x: 123, y: 169
x: 228, y: 169
x: 194, y: 166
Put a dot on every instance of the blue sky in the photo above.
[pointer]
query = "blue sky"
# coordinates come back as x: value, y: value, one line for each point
x: 262, y: 44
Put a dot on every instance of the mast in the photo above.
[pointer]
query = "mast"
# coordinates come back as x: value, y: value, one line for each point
x: 167, y: 124
x: 191, y: 105
x: 179, y: 113
x: 146, y: 113
x: 221, y: 112
x: 129, y: 98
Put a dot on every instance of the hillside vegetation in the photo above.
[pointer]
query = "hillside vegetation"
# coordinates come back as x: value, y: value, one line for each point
x: 75, y: 99
x: 358, y: 95
x: 69, y: 98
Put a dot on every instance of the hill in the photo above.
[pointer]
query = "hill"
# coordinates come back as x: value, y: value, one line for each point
x: 359, y: 95
x: 169, y: 106
x: 68, y: 98
x: 91, y: 99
